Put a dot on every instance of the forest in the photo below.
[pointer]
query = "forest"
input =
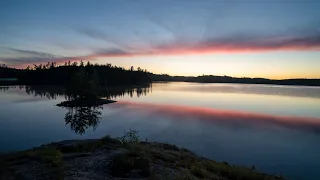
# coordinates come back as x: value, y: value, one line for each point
x: 52, y: 74
x: 109, y: 75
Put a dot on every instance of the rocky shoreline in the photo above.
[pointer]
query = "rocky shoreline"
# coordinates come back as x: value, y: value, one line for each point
x: 121, y: 158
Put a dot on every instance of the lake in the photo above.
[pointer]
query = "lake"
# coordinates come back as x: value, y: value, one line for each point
x: 276, y: 128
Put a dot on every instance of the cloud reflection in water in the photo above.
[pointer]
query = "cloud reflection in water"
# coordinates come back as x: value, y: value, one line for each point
x: 229, y: 118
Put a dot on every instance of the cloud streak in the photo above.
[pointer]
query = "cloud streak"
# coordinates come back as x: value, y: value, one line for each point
x: 28, y: 57
x: 231, y: 44
x: 243, y: 45
x: 239, y: 43
x: 99, y: 35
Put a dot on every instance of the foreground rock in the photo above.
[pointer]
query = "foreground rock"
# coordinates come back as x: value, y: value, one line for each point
x: 109, y: 158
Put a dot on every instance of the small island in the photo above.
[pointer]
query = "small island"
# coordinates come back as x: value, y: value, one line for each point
x: 85, y: 102
x: 119, y: 158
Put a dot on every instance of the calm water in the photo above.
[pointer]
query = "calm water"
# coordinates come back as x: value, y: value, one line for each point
x: 275, y: 128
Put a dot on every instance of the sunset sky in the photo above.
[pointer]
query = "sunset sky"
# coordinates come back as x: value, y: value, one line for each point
x: 272, y: 38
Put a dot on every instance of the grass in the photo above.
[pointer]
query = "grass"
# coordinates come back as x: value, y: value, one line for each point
x: 199, y: 171
x: 173, y: 156
x: 165, y: 157
x: 82, y: 147
x: 50, y: 156
x: 235, y: 172
x: 134, y: 159
x: 91, y: 145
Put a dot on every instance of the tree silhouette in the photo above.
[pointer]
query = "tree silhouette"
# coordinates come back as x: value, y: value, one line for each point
x: 53, y: 92
x: 81, y: 118
x: 108, y: 75
x: 51, y: 74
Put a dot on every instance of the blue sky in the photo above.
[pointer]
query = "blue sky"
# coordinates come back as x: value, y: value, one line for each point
x: 275, y: 39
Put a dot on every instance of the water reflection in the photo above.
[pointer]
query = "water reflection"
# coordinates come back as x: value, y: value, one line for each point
x: 53, y: 92
x: 257, y: 89
x: 277, y: 131
x: 50, y: 92
x: 81, y: 118
x: 232, y: 119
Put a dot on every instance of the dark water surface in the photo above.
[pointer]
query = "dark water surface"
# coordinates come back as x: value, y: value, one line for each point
x: 275, y: 128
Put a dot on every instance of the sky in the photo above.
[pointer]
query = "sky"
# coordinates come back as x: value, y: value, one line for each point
x: 244, y: 38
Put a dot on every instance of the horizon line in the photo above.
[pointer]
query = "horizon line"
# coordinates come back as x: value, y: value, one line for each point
x: 243, y: 77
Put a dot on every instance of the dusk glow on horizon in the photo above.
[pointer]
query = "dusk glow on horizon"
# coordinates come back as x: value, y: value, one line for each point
x: 270, y: 39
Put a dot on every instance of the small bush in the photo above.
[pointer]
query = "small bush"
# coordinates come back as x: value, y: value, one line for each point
x: 124, y: 163
x: 121, y: 165
x: 199, y: 172
x: 130, y: 137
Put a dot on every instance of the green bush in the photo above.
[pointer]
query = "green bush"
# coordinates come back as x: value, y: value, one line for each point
x: 130, y: 137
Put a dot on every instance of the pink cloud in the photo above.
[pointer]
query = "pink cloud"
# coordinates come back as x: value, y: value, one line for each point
x: 210, y: 46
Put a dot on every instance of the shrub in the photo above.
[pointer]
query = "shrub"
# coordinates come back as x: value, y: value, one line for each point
x: 121, y: 165
x: 124, y: 163
x: 199, y: 172
x: 130, y: 137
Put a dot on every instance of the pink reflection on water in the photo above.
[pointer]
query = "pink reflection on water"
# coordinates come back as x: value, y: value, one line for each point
x: 225, y: 116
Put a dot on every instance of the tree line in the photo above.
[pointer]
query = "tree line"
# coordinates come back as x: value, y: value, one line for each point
x: 53, y: 74
x: 71, y: 72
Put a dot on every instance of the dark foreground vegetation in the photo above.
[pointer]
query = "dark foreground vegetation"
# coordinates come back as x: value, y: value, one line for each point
x: 228, y: 79
x: 51, y: 74
x: 122, y: 158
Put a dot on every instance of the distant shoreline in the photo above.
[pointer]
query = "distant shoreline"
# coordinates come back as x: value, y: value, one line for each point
x: 231, y: 80
x: 15, y: 83
x: 107, y: 75
x: 238, y: 83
